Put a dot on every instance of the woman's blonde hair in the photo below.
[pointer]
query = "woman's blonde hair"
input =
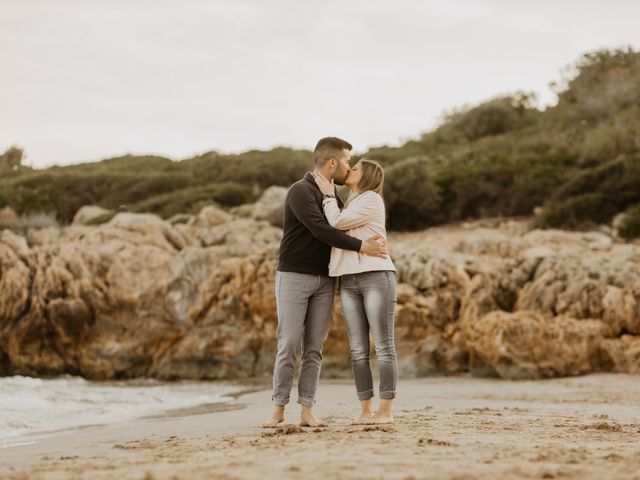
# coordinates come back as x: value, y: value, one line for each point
x: 372, y: 176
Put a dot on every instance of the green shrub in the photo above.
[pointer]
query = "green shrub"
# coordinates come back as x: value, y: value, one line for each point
x: 497, y: 116
x: 134, y: 164
x: 579, y: 159
x: 191, y: 200
x: 280, y: 166
x: 389, y: 155
x: 580, y: 211
x: 617, y: 181
x: 65, y: 192
x: 21, y: 224
x: 46, y: 192
x: 604, y: 83
x: 11, y: 160
x: 412, y: 197
x: 611, y: 138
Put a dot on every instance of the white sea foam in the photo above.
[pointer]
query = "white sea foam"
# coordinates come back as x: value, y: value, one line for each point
x: 33, y: 405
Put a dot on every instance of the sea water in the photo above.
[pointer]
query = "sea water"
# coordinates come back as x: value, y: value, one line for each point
x: 30, y: 406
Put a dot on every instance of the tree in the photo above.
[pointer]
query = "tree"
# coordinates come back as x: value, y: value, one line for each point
x: 11, y: 160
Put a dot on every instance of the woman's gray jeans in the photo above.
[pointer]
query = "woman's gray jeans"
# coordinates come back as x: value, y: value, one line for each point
x: 368, y: 304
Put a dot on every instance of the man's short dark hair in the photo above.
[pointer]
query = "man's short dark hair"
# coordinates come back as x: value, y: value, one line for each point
x: 329, y: 147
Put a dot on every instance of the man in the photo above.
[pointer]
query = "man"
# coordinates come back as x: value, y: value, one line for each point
x: 304, y: 290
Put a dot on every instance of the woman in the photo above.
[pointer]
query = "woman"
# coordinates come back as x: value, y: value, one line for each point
x: 367, y: 286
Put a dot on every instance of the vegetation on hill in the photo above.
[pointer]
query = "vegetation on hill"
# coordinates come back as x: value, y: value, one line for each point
x: 579, y: 160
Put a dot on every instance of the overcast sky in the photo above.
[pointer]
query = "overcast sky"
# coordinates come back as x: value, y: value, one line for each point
x: 84, y: 80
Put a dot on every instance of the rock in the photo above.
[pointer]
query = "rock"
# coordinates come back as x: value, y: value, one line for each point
x: 270, y: 206
x: 194, y: 298
x: 622, y: 354
x: 149, y: 226
x: 232, y: 323
x: 43, y: 236
x: 180, y: 218
x: 115, y: 300
x: 241, y: 236
x: 16, y: 242
x: 618, y: 221
x: 15, y: 281
x: 526, y: 344
x: 209, y: 216
x: 577, y: 284
x: 620, y: 309
x: 566, y: 277
x: 437, y: 355
x: 606, y: 230
x: 188, y: 272
x: 243, y: 211
x: 7, y: 216
x: 92, y: 215
x: 71, y: 320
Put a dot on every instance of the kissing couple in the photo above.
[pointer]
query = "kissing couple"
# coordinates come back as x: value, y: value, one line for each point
x: 324, y: 239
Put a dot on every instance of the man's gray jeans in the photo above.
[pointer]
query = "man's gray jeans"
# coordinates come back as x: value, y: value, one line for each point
x: 304, y: 303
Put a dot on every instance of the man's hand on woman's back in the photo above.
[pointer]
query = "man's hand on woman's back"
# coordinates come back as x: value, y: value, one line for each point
x: 375, y: 247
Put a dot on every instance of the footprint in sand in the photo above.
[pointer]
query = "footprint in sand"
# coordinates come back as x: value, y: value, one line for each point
x: 432, y: 441
x: 604, y: 427
x: 135, y: 445
x: 287, y: 430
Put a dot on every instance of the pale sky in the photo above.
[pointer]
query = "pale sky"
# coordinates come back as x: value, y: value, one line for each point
x: 83, y: 80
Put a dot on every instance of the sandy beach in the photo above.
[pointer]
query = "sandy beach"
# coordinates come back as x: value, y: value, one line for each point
x: 446, y: 427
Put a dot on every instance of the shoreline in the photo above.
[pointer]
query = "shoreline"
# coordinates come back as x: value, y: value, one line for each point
x: 35, y: 408
x: 446, y: 427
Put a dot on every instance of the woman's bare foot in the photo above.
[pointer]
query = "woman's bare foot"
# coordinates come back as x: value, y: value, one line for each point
x: 365, y: 412
x: 381, y: 418
x: 308, y: 420
x: 383, y: 415
x: 276, y: 417
x: 363, y: 419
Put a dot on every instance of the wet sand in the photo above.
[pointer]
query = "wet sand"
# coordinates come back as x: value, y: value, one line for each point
x: 446, y: 428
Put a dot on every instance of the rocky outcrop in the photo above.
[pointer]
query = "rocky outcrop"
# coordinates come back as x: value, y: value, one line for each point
x: 269, y: 207
x: 527, y: 344
x: 92, y: 215
x: 538, y: 304
x: 7, y: 215
x: 115, y: 300
x: 193, y: 297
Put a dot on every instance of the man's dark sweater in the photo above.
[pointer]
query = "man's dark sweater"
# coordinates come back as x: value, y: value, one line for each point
x: 307, y: 236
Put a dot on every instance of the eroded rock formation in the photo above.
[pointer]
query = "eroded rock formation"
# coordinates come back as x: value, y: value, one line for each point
x: 193, y: 297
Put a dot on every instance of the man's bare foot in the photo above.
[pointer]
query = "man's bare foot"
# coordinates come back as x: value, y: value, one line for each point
x: 308, y: 420
x: 363, y: 419
x: 276, y: 417
x: 381, y: 418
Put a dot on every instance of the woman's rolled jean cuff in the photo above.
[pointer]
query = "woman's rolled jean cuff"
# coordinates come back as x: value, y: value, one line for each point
x: 387, y: 395
x: 279, y: 401
x: 366, y: 395
x: 306, y: 401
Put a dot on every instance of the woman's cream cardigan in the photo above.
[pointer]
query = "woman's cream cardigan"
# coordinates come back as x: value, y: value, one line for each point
x: 362, y: 218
